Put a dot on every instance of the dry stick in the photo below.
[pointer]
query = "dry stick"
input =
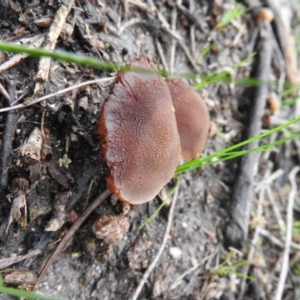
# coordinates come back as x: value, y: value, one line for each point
x: 161, y: 54
x: 161, y: 249
x: 189, y: 271
x: 76, y: 86
x: 5, y: 93
x: 192, y: 29
x: 71, y: 232
x: 188, y: 55
x: 8, y: 136
x: 286, y: 39
x: 268, y: 180
x: 189, y: 13
x: 130, y: 23
x: 289, y: 230
x: 163, y: 22
x: 174, y: 41
x: 141, y: 6
x: 8, y: 261
x: 276, y: 211
x: 253, y: 247
x: 54, y: 32
x: 18, y: 57
x: 236, y: 230
x: 281, y: 64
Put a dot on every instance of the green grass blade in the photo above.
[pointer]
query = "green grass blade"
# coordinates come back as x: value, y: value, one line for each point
x: 200, y: 161
x: 233, y: 12
x: 223, y: 76
x: 158, y: 209
x: 22, y: 293
x: 85, y: 60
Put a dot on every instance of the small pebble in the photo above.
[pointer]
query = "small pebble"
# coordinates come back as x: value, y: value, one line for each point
x: 184, y: 225
x: 175, y: 252
x: 187, y: 278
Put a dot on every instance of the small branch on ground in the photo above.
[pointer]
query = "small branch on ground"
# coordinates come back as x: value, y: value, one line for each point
x: 76, y: 86
x: 161, y: 249
x: 161, y: 54
x: 5, y: 93
x: 282, y: 20
x: 37, y: 42
x: 67, y: 237
x: 254, y: 244
x: 174, y: 41
x: 55, y: 30
x: 8, y: 261
x: 236, y: 230
x: 289, y: 231
x: 8, y: 136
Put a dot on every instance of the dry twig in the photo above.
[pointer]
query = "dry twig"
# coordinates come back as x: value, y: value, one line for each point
x: 4, y: 93
x: 6, y: 262
x: 288, y: 239
x: 71, y: 232
x: 283, y: 16
x: 189, y: 271
x: 161, y: 249
x: 161, y: 54
x: 55, y: 30
x: 76, y: 86
x: 254, y: 243
x: 37, y: 41
x: 174, y: 41
x: 237, y: 228
x: 8, y: 136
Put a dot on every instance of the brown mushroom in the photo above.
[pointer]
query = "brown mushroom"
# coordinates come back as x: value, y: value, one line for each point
x: 192, y: 118
x: 139, y: 135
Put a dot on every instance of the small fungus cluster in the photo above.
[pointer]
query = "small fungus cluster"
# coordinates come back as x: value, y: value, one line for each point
x: 146, y: 126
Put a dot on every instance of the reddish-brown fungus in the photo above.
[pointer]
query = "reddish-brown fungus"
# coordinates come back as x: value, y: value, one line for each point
x: 139, y: 135
x: 192, y: 118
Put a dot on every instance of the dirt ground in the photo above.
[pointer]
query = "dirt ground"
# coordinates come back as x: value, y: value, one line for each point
x: 57, y: 178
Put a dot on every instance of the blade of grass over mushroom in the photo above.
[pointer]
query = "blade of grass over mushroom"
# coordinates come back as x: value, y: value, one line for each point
x: 223, y: 76
x: 23, y: 293
x: 196, y: 163
x: 59, y: 55
x: 158, y: 209
x: 84, y: 60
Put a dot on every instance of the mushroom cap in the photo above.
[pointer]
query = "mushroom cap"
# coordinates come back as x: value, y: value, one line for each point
x: 139, y: 136
x: 192, y: 118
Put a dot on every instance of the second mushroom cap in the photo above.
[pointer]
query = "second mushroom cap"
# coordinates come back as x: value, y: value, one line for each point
x: 191, y: 116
